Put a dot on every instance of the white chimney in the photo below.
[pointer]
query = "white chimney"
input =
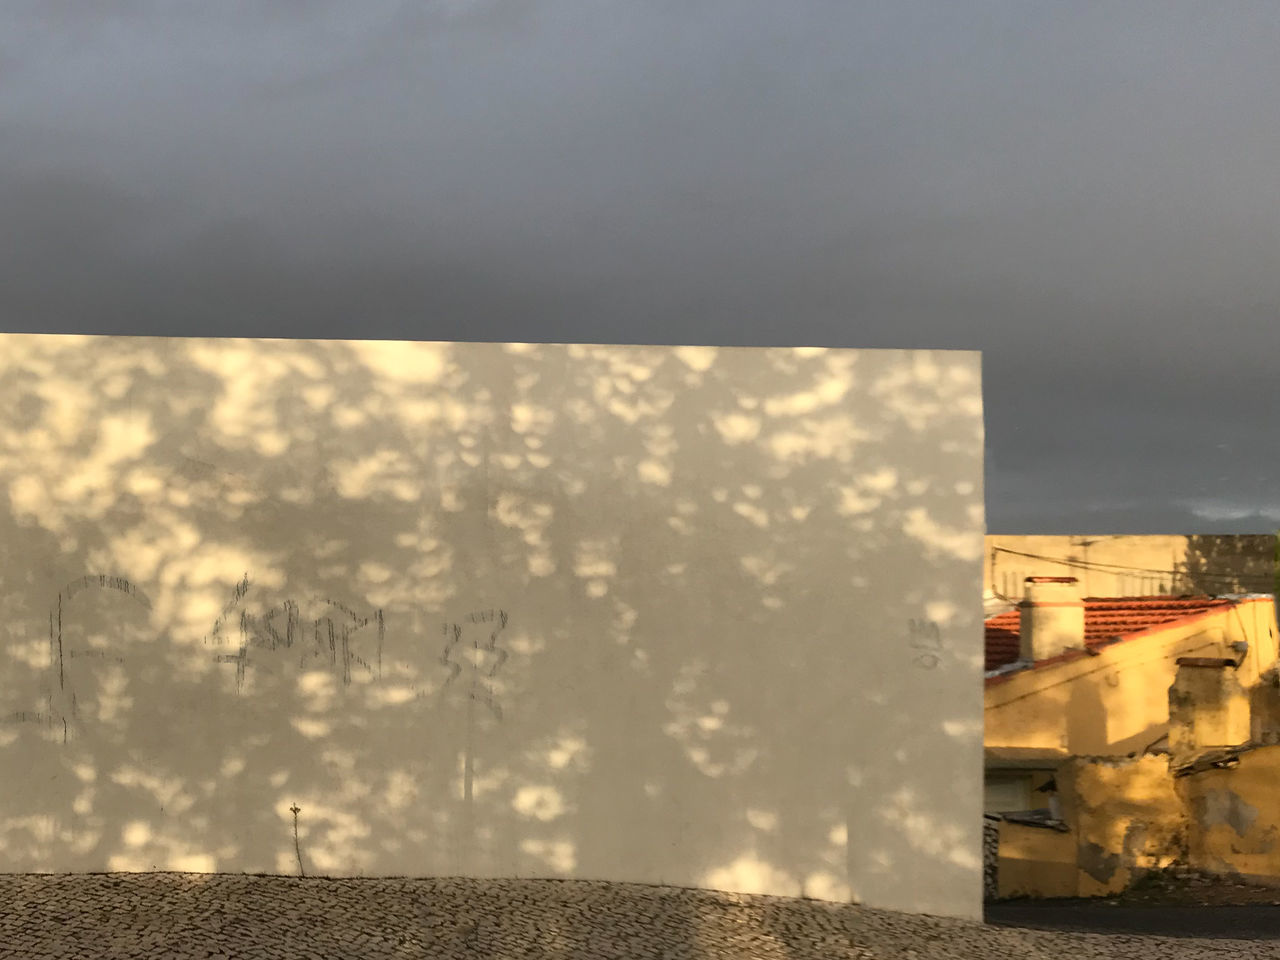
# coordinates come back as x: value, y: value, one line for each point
x: 1052, y: 618
x: 1208, y: 708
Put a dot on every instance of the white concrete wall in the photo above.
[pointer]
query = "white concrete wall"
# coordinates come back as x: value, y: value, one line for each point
x: 679, y: 615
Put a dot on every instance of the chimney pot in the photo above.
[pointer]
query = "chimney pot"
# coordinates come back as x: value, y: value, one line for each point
x: 1208, y: 707
x: 1052, y: 620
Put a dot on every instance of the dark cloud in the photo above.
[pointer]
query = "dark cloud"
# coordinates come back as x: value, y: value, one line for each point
x: 1086, y: 193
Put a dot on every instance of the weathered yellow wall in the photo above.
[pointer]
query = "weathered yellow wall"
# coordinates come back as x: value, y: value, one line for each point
x: 1254, y: 621
x: 1264, y: 711
x: 1036, y: 862
x: 1117, y: 702
x: 1126, y: 816
x: 1130, y: 815
x: 1208, y: 707
x: 636, y: 613
x: 1235, y: 815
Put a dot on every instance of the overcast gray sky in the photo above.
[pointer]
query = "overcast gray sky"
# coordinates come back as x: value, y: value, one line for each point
x: 1087, y: 192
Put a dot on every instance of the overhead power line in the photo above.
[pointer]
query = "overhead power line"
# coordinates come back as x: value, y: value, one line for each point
x: 1268, y: 577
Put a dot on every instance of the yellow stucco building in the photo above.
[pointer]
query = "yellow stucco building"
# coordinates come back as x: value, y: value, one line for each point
x: 1108, y: 719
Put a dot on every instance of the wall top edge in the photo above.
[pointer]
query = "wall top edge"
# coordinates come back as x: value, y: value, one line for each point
x: 816, y: 349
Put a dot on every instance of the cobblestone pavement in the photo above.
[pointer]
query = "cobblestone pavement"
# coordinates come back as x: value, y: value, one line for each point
x: 280, y: 918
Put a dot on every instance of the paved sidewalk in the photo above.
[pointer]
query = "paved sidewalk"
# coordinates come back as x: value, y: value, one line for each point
x: 161, y: 915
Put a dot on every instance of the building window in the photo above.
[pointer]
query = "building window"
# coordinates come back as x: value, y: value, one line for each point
x: 1006, y: 794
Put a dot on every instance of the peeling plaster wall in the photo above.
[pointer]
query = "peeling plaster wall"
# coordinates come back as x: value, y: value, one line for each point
x: 1124, y: 816
x: 1234, y: 816
x: 1127, y: 818
x: 1264, y: 710
x: 1208, y: 707
x: 1128, y: 815
x: 636, y: 613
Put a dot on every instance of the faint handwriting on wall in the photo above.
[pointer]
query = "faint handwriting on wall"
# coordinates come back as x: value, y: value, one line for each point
x: 338, y: 635
x: 63, y: 702
x: 332, y: 635
x: 473, y: 642
x: 926, y: 641
x: 102, y: 582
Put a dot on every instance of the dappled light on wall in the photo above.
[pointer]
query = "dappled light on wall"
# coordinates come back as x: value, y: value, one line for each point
x: 631, y: 613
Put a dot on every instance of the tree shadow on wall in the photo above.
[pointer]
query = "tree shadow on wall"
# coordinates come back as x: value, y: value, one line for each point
x: 1225, y: 563
x: 646, y: 615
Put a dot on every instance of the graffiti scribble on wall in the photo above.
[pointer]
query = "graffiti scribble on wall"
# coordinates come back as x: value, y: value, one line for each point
x: 926, y: 641
x: 483, y: 655
x: 56, y: 714
x: 340, y: 636
x: 66, y: 595
x: 238, y: 594
x: 333, y: 635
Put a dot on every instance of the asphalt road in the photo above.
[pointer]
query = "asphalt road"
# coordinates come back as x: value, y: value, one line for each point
x: 1252, y: 922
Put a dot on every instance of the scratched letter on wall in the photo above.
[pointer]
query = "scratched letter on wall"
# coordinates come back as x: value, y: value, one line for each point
x: 471, y: 647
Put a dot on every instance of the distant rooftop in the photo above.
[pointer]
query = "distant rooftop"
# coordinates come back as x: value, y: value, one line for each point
x: 1106, y: 619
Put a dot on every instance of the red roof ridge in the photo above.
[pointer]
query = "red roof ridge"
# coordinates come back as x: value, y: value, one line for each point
x: 1107, y: 620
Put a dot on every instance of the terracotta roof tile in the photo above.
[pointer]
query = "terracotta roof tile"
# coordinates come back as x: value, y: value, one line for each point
x: 1105, y: 619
